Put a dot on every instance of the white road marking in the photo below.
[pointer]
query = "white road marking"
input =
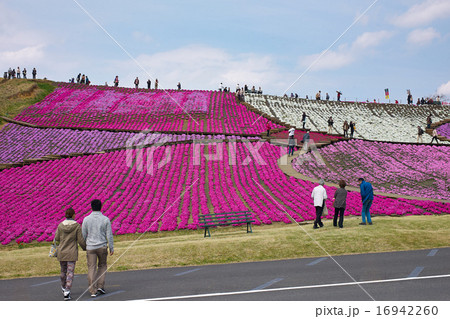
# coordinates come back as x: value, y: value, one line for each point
x: 352, y: 283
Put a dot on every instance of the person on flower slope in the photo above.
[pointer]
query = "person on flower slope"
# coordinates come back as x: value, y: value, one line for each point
x: 367, y: 199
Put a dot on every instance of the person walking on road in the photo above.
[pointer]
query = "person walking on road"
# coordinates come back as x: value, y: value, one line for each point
x: 68, y: 236
x: 319, y: 195
x: 339, y: 203
x: 367, y: 200
x: 97, y: 232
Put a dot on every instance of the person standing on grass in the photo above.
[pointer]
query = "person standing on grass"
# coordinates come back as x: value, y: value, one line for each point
x: 339, y: 203
x: 34, y: 72
x: 435, y: 135
x: 419, y: 134
x: 367, y: 200
x: 68, y: 236
x: 24, y: 72
x: 136, y: 83
x: 97, y: 232
x: 319, y: 195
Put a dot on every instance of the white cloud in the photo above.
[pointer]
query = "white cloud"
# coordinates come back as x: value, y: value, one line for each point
x: 424, y: 13
x: 422, y: 36
x: 202, y: 67
x: 444, y: 89
x: 19, y: 45
x: 346, y: 54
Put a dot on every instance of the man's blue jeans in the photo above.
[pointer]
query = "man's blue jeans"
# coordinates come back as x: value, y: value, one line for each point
x: 365, y: 211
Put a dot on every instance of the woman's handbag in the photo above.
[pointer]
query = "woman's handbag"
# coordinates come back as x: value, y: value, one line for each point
x: 53, y: 250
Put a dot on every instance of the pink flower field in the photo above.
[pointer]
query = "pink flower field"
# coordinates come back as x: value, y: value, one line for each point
x: 75, y: 106
x: 165, y: 188
x: 407, y: 169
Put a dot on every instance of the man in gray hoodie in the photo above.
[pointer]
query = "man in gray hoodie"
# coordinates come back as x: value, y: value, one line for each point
x: 97, y: 232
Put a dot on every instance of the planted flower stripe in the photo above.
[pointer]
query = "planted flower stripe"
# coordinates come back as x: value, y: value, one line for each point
x: 374, y: 121
x: 147, y: 194
x: 444, y: 130
x: 20, y: 142
x: 74, y: 106
x: 405, y: 169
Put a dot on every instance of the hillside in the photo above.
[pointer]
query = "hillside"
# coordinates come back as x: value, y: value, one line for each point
x: 17, y: 94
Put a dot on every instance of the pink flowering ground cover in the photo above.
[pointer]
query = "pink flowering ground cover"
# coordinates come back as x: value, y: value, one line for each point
x: 405, y: 169
x: 165, y: 188
x: 444, y: 130
x: 75, y: 106
x: 21, y: 142
x: 315, y: 136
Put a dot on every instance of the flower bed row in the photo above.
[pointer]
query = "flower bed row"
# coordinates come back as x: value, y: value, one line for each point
x: 165, y: 188
x: 314, y: 136
x: 414, y: 170
x: 21, y: 142
x: 382, y: 122
x: 74, y: 106
x: 444, y: 130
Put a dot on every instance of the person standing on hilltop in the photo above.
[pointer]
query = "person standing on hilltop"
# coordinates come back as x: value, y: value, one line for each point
x: 18, y: 72
x: 327, y: 97
x: 156, y: 84
x: 179, y: 86
x: 136, y: 83
x: 34, y: 72
x: 24, y: 72
x: 339, y: 93
x: 149, y: 84
x: 318, y: 95
x: 116, y: 81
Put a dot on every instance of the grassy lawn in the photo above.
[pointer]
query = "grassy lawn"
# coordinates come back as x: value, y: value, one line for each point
x: 233, y: 244
x: 17, y: 94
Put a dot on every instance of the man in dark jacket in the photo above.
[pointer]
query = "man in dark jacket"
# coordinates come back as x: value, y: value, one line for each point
x: 367, y: 199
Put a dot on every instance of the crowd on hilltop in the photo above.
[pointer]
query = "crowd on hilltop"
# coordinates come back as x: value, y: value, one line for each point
x: 17, y: 73
x: 81, y: 79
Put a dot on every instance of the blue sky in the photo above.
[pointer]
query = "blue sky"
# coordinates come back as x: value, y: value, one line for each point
x: 402, y: 44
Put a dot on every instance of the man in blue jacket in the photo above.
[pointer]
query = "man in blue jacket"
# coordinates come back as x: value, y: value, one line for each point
x: 367, y: 199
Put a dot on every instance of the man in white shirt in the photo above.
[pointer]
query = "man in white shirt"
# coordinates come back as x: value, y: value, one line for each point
x: 319, y: 195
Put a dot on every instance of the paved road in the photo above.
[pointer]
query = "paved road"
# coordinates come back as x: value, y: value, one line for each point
x: 412, y: 275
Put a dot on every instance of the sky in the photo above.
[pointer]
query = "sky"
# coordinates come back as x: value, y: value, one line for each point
x: 360, y: 47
